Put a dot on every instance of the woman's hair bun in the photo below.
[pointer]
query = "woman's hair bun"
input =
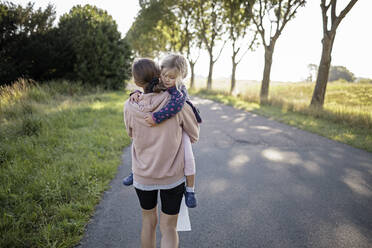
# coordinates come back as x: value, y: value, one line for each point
x: 150, y: 86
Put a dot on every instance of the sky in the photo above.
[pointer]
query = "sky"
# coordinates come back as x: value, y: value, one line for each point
x: 298, y: 45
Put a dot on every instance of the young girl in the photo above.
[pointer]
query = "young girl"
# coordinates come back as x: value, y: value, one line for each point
x: 173, y: 71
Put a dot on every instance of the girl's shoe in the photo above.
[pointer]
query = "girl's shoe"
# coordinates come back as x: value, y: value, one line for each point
x: 128, y: 180
x: 190, y: 199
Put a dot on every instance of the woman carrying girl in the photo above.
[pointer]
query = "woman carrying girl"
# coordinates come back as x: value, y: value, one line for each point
x: 173, y: 71
x: 157, y: 155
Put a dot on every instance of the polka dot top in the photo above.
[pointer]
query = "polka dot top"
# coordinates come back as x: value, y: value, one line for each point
x: 174, y: 105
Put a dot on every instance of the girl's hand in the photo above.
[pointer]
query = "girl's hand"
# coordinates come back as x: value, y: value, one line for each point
x: 149, y: 120
x: 135, y: 97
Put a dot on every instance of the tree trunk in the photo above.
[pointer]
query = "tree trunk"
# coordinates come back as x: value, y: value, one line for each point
x: 323, y: 71
x: 209, y: 81
x: 264, y: 94
x: 233, y: 80
x: 192, y: 79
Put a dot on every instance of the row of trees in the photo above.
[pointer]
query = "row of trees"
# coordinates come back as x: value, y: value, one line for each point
x: 85, y: 46
x: 189, y: 26
x: 186, y: 26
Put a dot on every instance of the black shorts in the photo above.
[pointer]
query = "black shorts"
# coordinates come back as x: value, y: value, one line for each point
x: 170, y: 199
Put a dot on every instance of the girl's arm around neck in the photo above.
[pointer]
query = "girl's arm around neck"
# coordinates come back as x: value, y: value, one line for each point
x: 174, y: 106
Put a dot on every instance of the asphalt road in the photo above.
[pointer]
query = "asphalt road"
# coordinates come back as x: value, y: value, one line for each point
x: 259, y: 183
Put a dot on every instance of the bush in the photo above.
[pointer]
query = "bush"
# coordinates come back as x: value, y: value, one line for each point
x: 85, y: 47
x: 26, y: 45
x: 340, y: 72
x: 100, y: 55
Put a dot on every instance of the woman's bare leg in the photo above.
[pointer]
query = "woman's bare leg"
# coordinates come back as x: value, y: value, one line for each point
x: 149, y: 222
x: 169, y: 235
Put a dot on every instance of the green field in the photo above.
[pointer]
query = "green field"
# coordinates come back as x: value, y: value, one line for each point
x: 346, y: 117
x: 61, y: 144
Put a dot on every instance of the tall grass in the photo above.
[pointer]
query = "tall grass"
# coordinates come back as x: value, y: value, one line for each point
x: 61, y: 144
x: 349, y: 103
x: 346, y: 116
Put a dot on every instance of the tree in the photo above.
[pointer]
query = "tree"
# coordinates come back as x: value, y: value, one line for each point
x: 166, y: 25
x: 329, y: 33
x: 189, y: 42
x: 99, y: 55
x: 238, y: 15
x: 154, y: 29
x: 340, y: 72
x: 277, y: 13
x: 210, y: 29
x: 313, y: 70
x: 25, y: 47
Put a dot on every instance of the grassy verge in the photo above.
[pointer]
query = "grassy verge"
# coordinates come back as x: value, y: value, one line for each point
x: 342, y: 123
x: 60, y: 146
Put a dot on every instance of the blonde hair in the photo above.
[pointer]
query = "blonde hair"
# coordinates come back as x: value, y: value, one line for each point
x: 176, y: 62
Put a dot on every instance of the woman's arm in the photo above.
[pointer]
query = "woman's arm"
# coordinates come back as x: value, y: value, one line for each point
x: 174, y: 106
x: 127, y: 119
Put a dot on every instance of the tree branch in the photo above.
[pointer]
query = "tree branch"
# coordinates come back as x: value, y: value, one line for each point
x: 259, y: 26
x: 327, y: 6
x: 278, y: 17
x: 285, y: 19
x: 343, y: 14
x: 292, y: 14
x: 220, y: 52
x: 203, y: 35
x: 261, y: 16
x: 333, y: 11
x: 324, y: 16
x: 191, y: 60
x: 249, y: 47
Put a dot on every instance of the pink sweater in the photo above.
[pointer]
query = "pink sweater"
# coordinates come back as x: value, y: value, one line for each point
x: 158, y: 152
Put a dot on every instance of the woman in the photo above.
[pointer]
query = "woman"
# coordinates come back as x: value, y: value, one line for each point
x: 157, y: 155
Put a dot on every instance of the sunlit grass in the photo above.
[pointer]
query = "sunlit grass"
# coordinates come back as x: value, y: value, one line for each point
x: 346, y: 116
x: 61, y: 144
